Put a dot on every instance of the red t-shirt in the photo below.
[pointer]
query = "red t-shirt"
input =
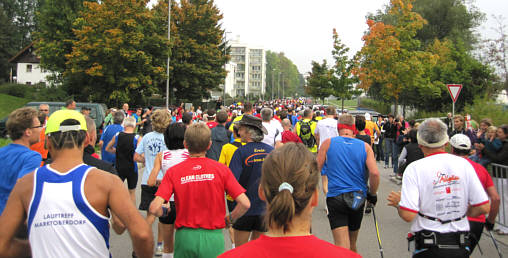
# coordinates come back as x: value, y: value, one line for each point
x: 199, y: 185
x: 211, y: 124
x: 290, y: 247
x: 486, y: 181
x: 288, y: 136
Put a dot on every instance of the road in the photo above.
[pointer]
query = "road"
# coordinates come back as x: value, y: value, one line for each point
x: 393, y: 230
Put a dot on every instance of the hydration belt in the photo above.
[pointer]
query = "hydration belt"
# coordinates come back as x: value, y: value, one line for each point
x: 427, y: 239
x: 441, y: 221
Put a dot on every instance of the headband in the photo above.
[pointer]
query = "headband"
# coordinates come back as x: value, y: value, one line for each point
x: 344, y: 126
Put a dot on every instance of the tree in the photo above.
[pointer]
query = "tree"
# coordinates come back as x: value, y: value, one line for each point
x: 342, y: 79
x: 112, y: 56
x: 391, y: 55
x: 54, y: 36
x: 495, y: 51
x: 319, y: 81
x: 197, y: 47
x: 277, y: 64
x: 7, y: 48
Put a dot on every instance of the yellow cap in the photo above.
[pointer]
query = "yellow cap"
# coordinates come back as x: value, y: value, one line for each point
x: 54, y: 121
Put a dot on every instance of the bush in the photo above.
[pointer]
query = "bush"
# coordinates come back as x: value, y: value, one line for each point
x: 37, y: 92
x: 381, y: 107
x: 16, y: 90
x: 4, y: 142
x: 487, y: 108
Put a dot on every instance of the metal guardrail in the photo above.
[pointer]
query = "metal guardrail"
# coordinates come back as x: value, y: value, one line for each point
x: 500, y: 178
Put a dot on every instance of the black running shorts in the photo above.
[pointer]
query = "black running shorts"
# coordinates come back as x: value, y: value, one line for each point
x: 132, y: 178
x: 340, y: 215
x: 250, y: 223
x: 171, y: 217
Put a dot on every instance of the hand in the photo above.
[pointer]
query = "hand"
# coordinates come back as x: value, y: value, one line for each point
x: 372, y: 198
x: 480, y: 147
x: 158, y: 182
x: 394, y: 199
x: 489, y: 226
x: 166, y: 208
x: 229, y: 220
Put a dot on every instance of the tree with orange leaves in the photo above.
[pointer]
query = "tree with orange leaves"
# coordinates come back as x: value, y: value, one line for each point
x: 392, y: 57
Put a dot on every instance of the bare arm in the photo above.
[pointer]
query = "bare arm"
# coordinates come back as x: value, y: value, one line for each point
x: 11, y: 220
x: 494, y: 204
x: 373, y: 171
x: 139, y: 158
x: 316, y: 135
x: 321, y: 159
x: 109, y: 147
x: 152, y: 179
x: 243, y: 205
x: 156, y: 206
x: 475, y: 211
x: 393, y: 200
x: 140, y: 232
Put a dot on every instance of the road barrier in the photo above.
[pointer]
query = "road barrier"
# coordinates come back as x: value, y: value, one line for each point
x: 500, y: 178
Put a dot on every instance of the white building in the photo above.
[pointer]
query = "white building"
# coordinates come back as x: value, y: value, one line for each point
x: 250, y: 69
x: 28, y: 70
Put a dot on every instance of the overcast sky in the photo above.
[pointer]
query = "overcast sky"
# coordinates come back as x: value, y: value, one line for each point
x: 302, y: 29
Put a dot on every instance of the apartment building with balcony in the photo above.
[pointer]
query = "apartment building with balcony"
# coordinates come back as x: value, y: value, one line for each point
x: 250, y: 72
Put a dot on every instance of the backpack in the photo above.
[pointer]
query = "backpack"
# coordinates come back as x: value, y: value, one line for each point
x: 306, y: 134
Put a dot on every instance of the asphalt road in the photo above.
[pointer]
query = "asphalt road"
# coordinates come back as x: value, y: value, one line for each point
x: 393, y: 230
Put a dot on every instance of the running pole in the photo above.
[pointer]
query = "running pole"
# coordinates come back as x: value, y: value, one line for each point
x: 377, y: 233
x: 495, y: 244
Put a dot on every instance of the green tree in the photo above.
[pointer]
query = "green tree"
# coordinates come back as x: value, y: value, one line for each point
x: 7, y: 48
x: 285, y: 73
x: 112, y: 57
x: 319, y: 81
x: 54, y: 36
x: 342, y: 80
x: 197, y: 47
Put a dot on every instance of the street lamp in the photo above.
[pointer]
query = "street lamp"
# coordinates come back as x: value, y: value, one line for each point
x: 167, y: 68
x: 225, y: 63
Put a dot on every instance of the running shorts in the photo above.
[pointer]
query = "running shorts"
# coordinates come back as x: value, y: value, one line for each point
x: 250, y: 223
x: 197, y: 242
x: 147, y: 196
x: 340, y: 215
x: 131, y: 176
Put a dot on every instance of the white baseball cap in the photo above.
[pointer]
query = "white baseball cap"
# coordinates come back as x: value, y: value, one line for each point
x: 460, y: 141
x: 367, y: 116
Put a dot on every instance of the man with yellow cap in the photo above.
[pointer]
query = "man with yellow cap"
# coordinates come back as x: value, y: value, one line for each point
x: 67, y: 204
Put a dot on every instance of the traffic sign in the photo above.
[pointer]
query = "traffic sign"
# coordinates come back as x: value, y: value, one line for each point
x: 454, y: 90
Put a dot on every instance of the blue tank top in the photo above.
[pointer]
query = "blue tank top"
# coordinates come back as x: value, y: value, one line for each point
x: 345, y: 166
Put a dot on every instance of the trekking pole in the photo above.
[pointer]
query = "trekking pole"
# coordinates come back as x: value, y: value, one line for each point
x: 495, y: 244
x: 377, y: 232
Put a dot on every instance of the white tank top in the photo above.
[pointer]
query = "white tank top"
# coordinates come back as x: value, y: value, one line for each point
x: 61, y: 222
x: 171, y: 158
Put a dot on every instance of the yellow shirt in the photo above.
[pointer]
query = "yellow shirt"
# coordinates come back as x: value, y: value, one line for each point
x: 227, y: 152
x: 372, y: 127
x: 238, y: 118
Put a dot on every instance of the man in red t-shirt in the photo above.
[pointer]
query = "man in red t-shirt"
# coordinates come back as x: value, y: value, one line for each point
x: 287, y: 134
x: 461, y: 146
x: 199, y: 185
x: 211, y: 119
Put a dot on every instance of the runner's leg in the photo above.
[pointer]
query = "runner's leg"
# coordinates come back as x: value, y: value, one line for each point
x: 341, y: 237
x: 353, y: 236
x: 241, y: 237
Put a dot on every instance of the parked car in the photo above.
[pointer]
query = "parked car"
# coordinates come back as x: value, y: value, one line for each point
x: 97, y: 113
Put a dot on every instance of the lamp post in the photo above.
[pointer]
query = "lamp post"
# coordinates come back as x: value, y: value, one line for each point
x: 272, y: 83
x: 278, y: 84
x: 167, y: 68
x: 225, y: 63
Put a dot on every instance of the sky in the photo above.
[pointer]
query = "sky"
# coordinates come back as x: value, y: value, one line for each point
x: 302, y: 29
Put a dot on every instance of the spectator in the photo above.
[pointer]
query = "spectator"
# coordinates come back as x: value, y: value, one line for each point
x: 390, y: 135
x: 410, y: 153
x: 85, y: 110
x: 458, y: 122
x: 70, y: 104
x: 491, y: 143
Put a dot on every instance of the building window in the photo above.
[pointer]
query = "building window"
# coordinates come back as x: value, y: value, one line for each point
x: 28, y: 68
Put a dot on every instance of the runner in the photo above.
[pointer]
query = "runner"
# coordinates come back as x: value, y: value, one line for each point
x: 39, y: 146
x: 220, y: 136
x: 123, y: 145
x: 23, y: 127
x: 67, y: 203
x: 372, y: 127
x: 342, y: 161
x: 273, y: 127
x: 305, y: 129
x: 89, y: 155
x: 108, y: 134
x: 437, y: 193
x: 146, y: 151
x: 176, y: 153
x: 461, y: 146
x: 288, y: 135
x: 327, y: 128
x: 199, y: 185
x: 247, y: 110
x: 289, y: 186
x: 246, y: 166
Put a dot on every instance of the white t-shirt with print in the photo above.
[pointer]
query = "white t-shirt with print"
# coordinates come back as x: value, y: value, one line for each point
x: 171, y: 158
x: 275, y: 130
x: 441, y: 186
x: 326, y: 128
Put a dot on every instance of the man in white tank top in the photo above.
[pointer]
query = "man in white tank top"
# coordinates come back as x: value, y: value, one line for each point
x: 67, y: 203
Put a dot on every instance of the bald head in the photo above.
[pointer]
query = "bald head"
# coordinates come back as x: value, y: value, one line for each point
x: 286, y: 124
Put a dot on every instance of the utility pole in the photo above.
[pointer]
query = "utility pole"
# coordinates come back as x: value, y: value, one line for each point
x: 272, y: 82
x: 283, y: 87
x: 278, y: 86
x: 225, y: 63
x: 167, y: 68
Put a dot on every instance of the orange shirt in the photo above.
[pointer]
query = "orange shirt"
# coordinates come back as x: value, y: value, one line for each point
x: 39, y: 147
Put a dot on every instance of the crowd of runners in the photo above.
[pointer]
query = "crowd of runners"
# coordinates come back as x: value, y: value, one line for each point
x: 254, y: 169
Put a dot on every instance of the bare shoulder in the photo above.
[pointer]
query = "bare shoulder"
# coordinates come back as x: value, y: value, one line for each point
x: 24, y: 188
x: 102, y: 178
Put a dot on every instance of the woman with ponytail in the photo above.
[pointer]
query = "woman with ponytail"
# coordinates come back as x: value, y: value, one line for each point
x: 289, y: 186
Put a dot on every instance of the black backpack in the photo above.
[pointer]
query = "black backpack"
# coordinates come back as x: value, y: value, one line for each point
x: 306, y: 134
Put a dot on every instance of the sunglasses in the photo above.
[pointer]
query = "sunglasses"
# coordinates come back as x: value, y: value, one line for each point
x: 39, y: 126
x: 44, y: 110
